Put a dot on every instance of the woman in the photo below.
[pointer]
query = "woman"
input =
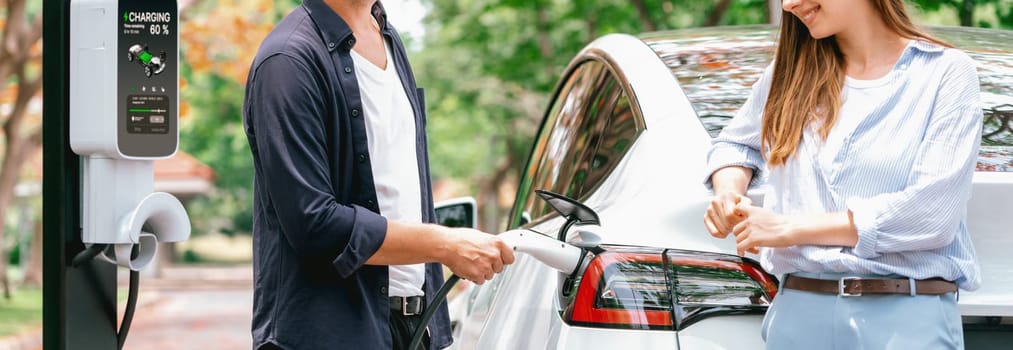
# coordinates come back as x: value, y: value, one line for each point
x: 869, y: 131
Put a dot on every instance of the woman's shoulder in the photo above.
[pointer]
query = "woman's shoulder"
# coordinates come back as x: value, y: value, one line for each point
x: 950, y: 57
x: 950, y: 67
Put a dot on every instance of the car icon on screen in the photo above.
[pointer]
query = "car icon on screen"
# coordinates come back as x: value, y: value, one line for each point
x: 152, y: 64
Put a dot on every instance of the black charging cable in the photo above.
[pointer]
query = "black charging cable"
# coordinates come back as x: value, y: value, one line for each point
x: 90, y: 253
x: 441, y: 297
x: 87, y: 254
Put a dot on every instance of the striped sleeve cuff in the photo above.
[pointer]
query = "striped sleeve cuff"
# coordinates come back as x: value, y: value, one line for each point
x: 729, y: 154
x: 864, y: 214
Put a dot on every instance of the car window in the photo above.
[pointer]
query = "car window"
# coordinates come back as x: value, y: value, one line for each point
x: 581, y: 161
x: 716, y: 78
x: 563, y: 137
x: 616, y: 138
x: 589, y: 127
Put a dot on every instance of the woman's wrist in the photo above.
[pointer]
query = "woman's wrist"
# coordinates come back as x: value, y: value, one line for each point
x: 796, y: 230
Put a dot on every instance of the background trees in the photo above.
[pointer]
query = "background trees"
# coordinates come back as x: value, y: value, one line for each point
x: 20, y: 83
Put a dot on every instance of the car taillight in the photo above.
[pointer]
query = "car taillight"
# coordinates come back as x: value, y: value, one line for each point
x: 644, y: 288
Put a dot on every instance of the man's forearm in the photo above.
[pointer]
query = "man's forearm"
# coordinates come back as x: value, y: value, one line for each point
x: 474, y: 255
x: 410, y: 243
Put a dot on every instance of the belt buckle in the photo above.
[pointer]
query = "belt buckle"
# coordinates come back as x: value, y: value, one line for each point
x: 404, y: 307
x: 840, y: 287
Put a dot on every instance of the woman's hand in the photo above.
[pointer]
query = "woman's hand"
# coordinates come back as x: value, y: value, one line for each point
x: 762, y: 228
x: 721, y: 217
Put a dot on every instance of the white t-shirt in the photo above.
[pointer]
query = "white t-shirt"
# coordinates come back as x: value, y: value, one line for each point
x: 860, y: 98
x: 390, y: 130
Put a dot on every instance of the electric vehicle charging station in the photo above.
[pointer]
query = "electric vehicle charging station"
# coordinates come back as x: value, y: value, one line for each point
x: 110, y: 109
x: 124, y: 114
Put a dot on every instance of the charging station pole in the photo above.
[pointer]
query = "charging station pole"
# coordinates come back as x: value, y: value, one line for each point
x: 79, y: 304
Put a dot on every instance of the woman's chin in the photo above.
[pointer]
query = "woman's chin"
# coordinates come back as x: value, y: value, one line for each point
x: 819, y: 34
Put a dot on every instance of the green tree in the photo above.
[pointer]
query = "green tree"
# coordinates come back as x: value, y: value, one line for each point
x: 20, y: 82
x: 969, y: 10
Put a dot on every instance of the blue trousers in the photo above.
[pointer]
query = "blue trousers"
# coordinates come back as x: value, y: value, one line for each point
x: 807, y: 320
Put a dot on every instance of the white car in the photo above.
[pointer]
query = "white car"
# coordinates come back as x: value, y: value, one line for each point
x: 627, y: 134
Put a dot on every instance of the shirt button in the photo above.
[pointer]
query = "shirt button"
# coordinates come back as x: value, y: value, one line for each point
x: 351, y: 42
x: 330, y: 45
x: 362, y: 158
x: 355, y: 112
x: 370, y: 202
x: 383, y: 290
x: 348, y: 69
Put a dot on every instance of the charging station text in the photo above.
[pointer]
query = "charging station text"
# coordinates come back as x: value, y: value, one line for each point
x: 149, y: 17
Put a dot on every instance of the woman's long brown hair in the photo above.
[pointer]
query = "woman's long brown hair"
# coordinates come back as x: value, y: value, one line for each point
x: 808, y: 78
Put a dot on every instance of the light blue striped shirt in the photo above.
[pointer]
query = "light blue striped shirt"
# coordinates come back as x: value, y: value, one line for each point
x: 900, y: 158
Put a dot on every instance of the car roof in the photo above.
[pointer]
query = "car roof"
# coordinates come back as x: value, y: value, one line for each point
x: 715, y: 67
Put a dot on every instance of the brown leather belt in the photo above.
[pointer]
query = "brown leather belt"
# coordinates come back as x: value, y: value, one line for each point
x: 855, y: 286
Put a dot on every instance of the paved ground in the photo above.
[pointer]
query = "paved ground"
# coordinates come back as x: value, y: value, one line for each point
x: 194, y: 308
x: 194, y: 319
x: 185, y: 308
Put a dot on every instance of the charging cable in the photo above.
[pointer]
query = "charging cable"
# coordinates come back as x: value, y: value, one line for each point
x: 134, y: 285
x: 441, y: 297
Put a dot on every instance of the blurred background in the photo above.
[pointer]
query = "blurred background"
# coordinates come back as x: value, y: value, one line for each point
x: 487, y: 66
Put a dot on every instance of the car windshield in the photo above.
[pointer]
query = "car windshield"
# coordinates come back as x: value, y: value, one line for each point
x: 716, y: 68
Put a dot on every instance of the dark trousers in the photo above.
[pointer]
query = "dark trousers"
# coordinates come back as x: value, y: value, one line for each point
x: 403, y: 327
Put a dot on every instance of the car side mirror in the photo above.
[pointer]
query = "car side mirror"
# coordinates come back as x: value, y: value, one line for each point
x: 457, y: 212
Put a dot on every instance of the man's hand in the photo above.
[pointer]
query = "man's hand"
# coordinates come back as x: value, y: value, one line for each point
x: 721, y: 216
x: 761, y: 228
x: 474, y: 255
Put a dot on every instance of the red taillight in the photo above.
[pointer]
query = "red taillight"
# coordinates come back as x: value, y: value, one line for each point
x: 643, y: 289
x: 588, y: 309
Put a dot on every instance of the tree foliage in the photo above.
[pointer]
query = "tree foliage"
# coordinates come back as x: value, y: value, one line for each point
x: 20, y: 83
x: 974, y: 13
x: 218, y: 42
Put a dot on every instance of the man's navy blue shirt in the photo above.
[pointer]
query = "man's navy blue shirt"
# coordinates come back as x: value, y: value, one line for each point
x: 316, y: 218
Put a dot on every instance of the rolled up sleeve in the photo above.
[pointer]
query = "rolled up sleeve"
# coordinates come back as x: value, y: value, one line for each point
x: 927, y: 213
x: 285, y: 123
x: 738, y: 144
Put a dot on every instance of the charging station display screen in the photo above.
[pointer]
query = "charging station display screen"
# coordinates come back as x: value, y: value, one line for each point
x: 148, y: 77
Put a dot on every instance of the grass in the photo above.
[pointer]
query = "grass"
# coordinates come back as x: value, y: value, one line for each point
x: 22, y: 312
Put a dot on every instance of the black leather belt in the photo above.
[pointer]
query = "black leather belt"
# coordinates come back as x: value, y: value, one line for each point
x: 854, y: 286
x: 408, y: 306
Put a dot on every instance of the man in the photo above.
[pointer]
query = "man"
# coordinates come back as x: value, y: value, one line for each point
x: 337, y: 130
